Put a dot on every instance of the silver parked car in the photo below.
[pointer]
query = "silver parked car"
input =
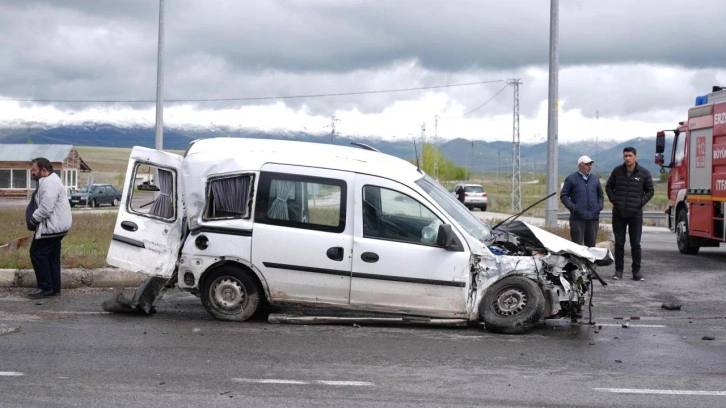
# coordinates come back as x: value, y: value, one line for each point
x: 474, y: 195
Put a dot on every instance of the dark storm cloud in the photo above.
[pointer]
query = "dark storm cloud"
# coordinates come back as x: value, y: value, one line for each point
x: 106, y: 49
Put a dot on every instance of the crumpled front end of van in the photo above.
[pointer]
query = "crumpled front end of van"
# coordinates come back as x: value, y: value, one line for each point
x: 532, y: 275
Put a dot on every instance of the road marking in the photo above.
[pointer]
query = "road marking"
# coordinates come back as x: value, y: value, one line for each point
x: 71, y: 312
x: 632, y: 325
x: 298, y: 382
x: 662, y: 392
x: 268, y: 381
x: 351, y: 383
x: 10, y: 374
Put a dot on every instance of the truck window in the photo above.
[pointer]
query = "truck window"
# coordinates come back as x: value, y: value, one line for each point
x: 228, y: 197
x: 301, y: 201
x: 680, y: 151
x: 156, y: 197
x: 390, y: 214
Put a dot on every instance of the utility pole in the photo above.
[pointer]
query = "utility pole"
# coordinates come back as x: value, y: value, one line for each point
x: 499, y: 159
x: 553, y: 107
x: 159, y: 145
x: 423, y: 143
x: 436, y: 150
x: 471, y: 159
x: 597, y: 130
x: 333, y: 119
x: 516, y: 175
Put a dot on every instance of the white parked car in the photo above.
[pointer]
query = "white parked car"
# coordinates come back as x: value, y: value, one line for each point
x: 474, y: 196
x: 245, y: 223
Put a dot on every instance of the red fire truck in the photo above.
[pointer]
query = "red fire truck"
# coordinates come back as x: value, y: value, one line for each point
x: 697, y: 174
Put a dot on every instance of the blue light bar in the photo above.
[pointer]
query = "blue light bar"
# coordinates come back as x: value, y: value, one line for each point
x: 701, y: 100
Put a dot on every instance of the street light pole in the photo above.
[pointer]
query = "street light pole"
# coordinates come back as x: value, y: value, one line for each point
x: 553, y: 102
x: 159, y: 145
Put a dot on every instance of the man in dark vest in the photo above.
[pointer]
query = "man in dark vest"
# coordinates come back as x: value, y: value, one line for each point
x: 582, y: 195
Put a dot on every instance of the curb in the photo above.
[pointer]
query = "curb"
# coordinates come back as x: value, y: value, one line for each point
x: 75, y: 278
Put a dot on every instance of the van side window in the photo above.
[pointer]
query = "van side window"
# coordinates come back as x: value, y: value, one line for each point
x: 298, y: 201
x: 228, y: 197
x: 389, y: 214
x: 155, y: 196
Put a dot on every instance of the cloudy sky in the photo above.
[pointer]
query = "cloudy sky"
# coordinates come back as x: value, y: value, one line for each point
x: 382, y: 68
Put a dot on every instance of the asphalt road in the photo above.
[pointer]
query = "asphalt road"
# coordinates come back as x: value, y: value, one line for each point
x: 67, y: 352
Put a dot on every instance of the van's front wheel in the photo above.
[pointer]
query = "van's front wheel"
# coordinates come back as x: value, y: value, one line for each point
x: 229, y: 293
x: 513, y: 305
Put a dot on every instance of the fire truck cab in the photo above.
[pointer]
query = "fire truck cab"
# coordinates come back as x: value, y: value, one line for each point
x: 697, y: 174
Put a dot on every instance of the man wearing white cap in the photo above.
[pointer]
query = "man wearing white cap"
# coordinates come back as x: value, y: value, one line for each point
x: 582, y: 195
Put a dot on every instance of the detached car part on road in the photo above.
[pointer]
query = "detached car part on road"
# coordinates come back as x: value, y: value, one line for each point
x: 246, y: 223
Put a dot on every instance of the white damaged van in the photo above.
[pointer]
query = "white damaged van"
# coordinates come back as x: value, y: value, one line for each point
x: 247, y: 223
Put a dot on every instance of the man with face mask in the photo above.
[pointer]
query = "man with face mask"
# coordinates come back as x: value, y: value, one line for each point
x: 49, y: 215
x: 582, y: 195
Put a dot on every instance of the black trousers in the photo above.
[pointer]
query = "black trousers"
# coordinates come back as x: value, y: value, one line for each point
x: 584, y: 232
x: 45, y: 255
x: 634, y: 226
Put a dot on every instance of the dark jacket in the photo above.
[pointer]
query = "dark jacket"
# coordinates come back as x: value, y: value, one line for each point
x: 460, y: 193
x: 629, y: 194
x: 584, y: 198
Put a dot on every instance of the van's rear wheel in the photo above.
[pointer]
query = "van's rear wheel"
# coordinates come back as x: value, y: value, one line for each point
x: 229, y: 293
x: 513, y: 305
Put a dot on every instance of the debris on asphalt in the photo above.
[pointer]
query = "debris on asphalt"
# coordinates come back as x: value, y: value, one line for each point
x: 671, y: 306
x: 708, y: 338
x: 7, y: 330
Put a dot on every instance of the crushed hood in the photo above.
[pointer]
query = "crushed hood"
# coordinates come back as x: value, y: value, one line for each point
x: 557, y: 244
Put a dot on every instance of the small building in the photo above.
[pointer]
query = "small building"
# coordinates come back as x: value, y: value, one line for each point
x: 15, y: 165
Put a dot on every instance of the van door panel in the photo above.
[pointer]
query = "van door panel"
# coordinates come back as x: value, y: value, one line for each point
x: 302, y: 235
x: 148, y: 230
x: 395, y: 266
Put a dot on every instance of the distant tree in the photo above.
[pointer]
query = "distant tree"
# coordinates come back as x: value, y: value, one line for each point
x: 431, y: 157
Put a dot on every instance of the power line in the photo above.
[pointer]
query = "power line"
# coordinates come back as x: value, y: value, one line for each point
x: 257, y: 98
x: 487, y: 101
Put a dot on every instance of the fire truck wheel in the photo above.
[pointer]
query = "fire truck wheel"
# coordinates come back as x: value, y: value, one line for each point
x: 684, y: 240
x: 229, y: 293
x: 513, y: 305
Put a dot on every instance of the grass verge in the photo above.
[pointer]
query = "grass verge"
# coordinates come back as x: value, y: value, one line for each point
x: 84, y: 247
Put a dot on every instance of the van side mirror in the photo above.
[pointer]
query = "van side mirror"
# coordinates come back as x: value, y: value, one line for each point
x: 448, y: 240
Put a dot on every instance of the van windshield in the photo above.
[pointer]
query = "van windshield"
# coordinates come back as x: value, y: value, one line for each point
x: 453, y: 207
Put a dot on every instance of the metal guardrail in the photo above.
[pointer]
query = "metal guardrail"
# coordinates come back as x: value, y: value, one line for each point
x: 659, y: 215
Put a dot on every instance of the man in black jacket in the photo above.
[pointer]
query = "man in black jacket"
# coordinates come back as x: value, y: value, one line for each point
x: 629, y: 188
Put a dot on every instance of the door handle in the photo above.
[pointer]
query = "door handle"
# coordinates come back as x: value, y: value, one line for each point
x: 335, y: 253
x: 129, y: 226
x: 370, y: 257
